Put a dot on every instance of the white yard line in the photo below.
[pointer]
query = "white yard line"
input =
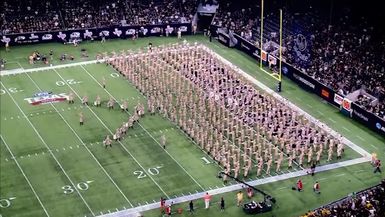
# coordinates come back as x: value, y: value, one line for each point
x: 132, y: 212
x: 349, y: 143
x: 77, y: 136
x: 346, y: 129
x: 97, y: 117
x: 332, y: 120
x: 374, y: 146
x: 49, y: 150
x: 25, y: 177
x: 147, y: 132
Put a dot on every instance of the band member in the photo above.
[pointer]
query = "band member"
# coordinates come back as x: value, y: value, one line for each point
x: 85, y: 100
x: 107, y: 141
x: 103, y: 82
x: 110, y: 103
x: 97, y: 102
x: 163, y: 141
x: 81, y: 118
x: 124, y: 106
x: 71, y: 98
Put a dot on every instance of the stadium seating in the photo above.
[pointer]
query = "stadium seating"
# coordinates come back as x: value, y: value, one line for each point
x: 344, y: 57
x: 369, y: 202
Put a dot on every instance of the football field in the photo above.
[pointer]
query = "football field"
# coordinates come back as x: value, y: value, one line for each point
x: 53, y: 166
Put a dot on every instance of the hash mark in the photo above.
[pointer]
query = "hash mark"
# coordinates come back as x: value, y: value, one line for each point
x: 21, y: 157
x: 6, y: 159
x: 37, y: 113
x: 154, y: 201
x: 29, y: 155
x: 139, y: 204
x: 70, y: 147
x: 124, y: 207
x: 64, y: 149
x: 77, y: 146
x: 109, y: 211
x: 11, y: 118
x: 117, y: 210
x: 35, y: 154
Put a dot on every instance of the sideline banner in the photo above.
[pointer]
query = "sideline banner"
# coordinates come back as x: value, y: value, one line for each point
x: 95, y: 33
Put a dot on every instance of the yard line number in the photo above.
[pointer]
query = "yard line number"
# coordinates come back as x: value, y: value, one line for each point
x: 114, y: 75
x: 83, y: 186
x: 205, y: 160
x: 11, y: 90
x: 69, y: 81
x: 154, y: 171
x: 6, y: 202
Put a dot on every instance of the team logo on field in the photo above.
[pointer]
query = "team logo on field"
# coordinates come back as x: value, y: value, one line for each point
x: 46, y: 97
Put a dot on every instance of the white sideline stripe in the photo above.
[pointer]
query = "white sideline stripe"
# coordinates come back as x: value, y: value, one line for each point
x: 77, y: 136
x: 147, y: 132
x: 47, y: 68
x: 349, y: 143
x: 50, y: 151
x: 97, y: 117
x: 25, y: 177
x: 226, y: 189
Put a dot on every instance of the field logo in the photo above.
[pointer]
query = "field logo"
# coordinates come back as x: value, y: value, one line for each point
x: 46, y: 97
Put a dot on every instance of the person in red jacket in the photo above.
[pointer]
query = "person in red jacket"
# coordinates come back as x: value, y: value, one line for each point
x: 168, y: 210
x: 299, y: 185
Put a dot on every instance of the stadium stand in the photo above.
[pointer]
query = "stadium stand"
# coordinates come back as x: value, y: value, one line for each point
x: 38, y: 16
x: 369, y: 202
x: 344, y: 57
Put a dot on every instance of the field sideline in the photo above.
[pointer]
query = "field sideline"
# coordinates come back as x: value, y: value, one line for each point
x: 49, y: 157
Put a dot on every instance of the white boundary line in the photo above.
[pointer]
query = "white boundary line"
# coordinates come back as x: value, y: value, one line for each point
x: 349, y: 143
x: 49, y: 150
x: 22, y: 172
x: 97, y: 117
x: 78, y: 137
x: 132, y: 212
x: 147, y: 132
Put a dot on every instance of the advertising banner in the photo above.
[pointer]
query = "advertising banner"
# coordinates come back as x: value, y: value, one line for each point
x: 69, y: 36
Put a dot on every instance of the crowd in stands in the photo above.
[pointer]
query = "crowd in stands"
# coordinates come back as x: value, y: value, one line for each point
x: 367, y: 203
x: 34, y: 15
x: 343, y: 56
